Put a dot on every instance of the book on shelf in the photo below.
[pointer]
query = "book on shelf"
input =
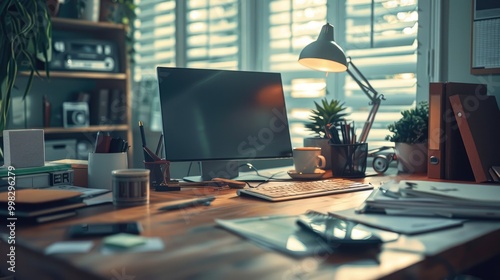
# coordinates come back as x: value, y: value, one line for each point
x: 99, y: 109
x: 109, y: 106
x: 117, y: 107
x: 438, y: 199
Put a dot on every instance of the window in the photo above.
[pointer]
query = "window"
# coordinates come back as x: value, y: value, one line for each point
x: 381, y: 38
x: 212, y: 34
x: 154, y: 37
x: 379, y: 35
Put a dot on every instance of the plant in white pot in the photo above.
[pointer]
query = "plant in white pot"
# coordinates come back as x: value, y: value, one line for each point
x: 410, y: 135
x: 326, y: 112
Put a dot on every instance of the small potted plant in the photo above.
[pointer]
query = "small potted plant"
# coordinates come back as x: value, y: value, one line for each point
x: 326, y: 112
x: 121, y: 12
x: 410, y: 135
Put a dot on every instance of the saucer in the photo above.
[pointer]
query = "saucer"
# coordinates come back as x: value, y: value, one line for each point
x: 318, y: 173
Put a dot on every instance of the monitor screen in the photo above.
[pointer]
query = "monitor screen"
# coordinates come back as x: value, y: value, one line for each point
x: 214, y: 115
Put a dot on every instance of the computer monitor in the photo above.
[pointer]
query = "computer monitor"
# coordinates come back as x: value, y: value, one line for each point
x: 222, y: 117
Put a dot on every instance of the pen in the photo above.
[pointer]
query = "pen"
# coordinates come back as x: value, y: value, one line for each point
x: 98, y: 140
x: 187, y: 203
x: 159, y: 146
x: 148, y: 155
x: 143, y: 136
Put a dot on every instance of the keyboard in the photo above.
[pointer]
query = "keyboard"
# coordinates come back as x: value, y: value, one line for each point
x: 296, y: 190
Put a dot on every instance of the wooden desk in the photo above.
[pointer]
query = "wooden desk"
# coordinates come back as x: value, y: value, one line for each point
x: 196, y: 248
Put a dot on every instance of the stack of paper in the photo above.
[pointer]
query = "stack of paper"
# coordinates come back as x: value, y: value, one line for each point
x: 427, y: 198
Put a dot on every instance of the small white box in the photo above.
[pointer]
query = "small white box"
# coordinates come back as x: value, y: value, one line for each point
x: 24, y: 148
x: 60, y: 149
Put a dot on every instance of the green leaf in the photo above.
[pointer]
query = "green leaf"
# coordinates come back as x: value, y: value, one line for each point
x: 412, y: 127
x: 25, y: 34
x: 325, y: 112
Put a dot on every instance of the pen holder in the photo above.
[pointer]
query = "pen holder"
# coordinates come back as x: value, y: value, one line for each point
x: 100, y: 166
x: 349, y: 160
x: 159, y: 172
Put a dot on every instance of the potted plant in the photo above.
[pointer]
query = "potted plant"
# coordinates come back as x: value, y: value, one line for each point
x: 121, y: 12
x: 26, y: 33
x: 326, y: 112
x: 410, y: 135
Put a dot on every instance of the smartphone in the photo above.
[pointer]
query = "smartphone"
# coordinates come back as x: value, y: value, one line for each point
x: 102, y: 229
x: 337, y: 231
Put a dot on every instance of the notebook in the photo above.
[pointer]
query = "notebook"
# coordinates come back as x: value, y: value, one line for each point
x: 38, y: 202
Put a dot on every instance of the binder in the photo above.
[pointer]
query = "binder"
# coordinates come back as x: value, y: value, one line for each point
x: 478, y: 120
x: 447, y: 157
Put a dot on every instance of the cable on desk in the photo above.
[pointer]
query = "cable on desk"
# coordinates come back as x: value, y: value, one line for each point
x: 250, y: 166
x: 268, y: 180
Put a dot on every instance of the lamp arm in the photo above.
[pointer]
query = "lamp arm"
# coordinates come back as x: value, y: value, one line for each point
x: 373, y: 95
x: 361, y: 80
x: 369, y: 121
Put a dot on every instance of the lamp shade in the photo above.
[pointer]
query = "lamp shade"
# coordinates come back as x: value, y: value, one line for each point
x: 324, y: 54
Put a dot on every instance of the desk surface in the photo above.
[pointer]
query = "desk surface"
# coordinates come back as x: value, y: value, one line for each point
x: 196, y: 248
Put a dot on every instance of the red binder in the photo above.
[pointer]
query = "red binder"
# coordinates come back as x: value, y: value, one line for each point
x: 447, y: 157
x: 478, y: 119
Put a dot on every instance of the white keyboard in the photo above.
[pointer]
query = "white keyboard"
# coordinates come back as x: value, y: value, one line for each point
x: 296, y: 190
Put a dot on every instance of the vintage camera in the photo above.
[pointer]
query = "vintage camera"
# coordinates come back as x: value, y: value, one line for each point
x: 75, y: 114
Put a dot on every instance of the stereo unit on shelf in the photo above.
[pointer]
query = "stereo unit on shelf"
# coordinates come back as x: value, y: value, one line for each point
x: 84, y: 55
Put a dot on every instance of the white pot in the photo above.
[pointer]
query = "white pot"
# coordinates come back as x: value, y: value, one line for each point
x: 326, y: 150
x: 412, y: 158
x: 91, y: 10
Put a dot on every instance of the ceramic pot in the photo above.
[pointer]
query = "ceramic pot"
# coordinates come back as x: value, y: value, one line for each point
x: 326, y: 150
x: 109, y: 11
x: 412, y: 158
x: 91, y: 9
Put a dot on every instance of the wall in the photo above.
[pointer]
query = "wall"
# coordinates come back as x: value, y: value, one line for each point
x: 456, y: 47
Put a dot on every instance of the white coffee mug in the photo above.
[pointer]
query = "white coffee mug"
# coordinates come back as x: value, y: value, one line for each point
x: 308, y: 159
x: 100, y: 166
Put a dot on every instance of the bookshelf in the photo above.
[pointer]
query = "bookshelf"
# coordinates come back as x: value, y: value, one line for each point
x: 66, y: 85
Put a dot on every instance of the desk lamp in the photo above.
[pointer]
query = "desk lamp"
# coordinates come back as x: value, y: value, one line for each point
x: 326, y: 55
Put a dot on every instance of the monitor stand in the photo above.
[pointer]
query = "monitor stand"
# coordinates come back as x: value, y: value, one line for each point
x: 216, y: 169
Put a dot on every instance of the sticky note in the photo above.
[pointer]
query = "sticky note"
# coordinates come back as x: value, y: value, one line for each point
x: 124, y: 240
x: 64, y: 247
